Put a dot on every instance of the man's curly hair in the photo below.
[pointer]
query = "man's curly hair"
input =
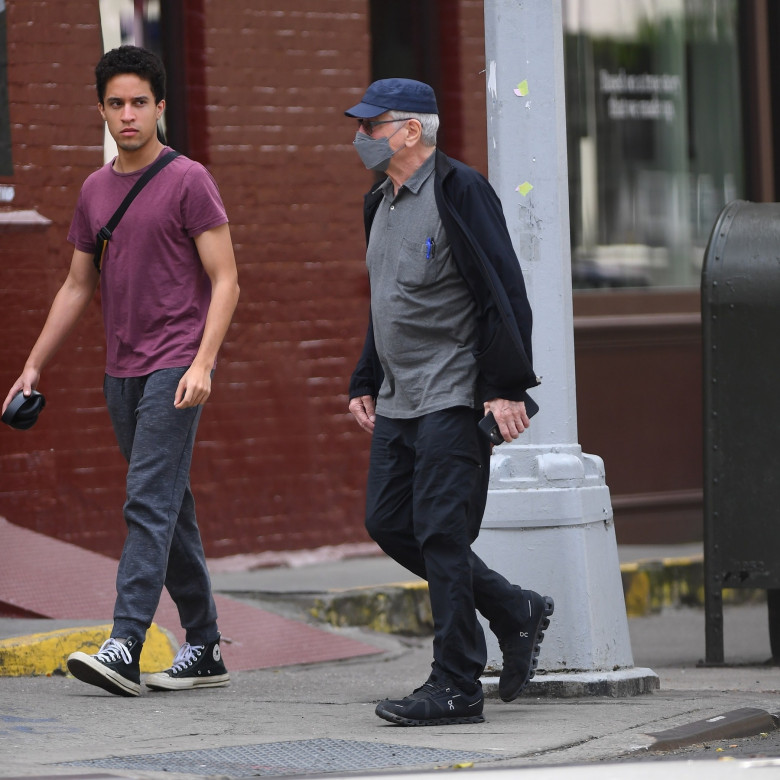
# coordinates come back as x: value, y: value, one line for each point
x: 131, y: 59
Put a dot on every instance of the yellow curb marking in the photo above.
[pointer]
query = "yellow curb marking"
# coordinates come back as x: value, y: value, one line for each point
x: 405, y: 585
x: 637, y: 595
x: 46, y: 654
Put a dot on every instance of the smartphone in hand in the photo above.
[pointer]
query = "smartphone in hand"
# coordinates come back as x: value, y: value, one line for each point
x: 489, y: 426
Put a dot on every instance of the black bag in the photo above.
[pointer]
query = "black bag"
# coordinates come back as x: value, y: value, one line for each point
x: 105, y: 233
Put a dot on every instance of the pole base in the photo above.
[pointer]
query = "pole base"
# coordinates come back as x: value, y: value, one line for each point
x: 618, y: 684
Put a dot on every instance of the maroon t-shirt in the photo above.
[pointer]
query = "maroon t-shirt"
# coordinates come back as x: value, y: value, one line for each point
x: 154, y: 290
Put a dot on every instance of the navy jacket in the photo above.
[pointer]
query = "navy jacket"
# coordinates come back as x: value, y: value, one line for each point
x: 482, y: 249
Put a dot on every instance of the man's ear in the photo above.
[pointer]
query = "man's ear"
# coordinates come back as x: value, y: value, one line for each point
x: 414, y: 132
x: 102, y: 111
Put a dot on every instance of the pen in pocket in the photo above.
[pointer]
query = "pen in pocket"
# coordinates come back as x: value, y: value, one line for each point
x: 430, y: 248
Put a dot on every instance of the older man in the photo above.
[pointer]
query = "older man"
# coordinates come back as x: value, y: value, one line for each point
x: 448, y: 342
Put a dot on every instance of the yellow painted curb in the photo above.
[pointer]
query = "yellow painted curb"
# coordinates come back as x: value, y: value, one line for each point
x: 46, y: 654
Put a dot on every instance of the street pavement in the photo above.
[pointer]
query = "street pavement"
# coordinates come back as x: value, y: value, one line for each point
x: 318, y: 718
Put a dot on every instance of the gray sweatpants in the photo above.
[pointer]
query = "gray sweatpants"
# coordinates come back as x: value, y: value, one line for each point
x: 163, y: 545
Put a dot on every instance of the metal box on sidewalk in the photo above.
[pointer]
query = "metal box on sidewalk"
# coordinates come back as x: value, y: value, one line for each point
x: 740, y: 299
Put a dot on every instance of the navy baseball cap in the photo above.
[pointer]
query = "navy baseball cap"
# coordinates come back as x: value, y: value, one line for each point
x: 395, y: 95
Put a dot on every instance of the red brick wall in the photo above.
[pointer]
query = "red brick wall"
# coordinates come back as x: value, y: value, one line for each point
x: 473, y: 80
x: 279, y: 464
x: 65, y: 476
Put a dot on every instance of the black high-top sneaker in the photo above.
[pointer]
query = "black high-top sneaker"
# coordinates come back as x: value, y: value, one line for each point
x: 114, y: 667
x: 195, y: 666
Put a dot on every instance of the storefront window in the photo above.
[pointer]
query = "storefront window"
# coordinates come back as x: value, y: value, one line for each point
x: 655, y: 136
x: 135, y: 22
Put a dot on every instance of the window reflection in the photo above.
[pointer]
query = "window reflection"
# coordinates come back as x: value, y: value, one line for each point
x: 135, y: 22
x: 654, y: 134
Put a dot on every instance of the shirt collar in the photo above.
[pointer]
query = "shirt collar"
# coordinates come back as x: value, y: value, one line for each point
x: 417, y: 179
x: 414, y: 182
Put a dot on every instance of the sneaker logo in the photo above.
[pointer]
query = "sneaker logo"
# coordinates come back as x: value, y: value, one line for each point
x: 450, y: 704
x: 524, y: 634
x: 216, y: 653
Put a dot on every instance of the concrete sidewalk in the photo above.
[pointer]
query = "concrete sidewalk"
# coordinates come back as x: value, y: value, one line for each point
x: 367, y: 591
x: 376, y: 592
x: 315, y: 718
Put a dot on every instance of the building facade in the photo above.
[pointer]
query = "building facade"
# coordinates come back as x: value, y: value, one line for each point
x: 669, y: 117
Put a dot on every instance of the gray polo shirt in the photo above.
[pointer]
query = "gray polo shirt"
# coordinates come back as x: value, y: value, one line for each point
x: 423, y: 313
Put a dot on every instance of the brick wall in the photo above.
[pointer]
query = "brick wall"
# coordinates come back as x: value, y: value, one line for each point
x: 473, y: 81
x: 64, y: 477
x: 279, y: 463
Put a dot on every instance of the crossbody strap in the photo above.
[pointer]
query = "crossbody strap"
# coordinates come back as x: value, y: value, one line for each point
x: 105, y: 233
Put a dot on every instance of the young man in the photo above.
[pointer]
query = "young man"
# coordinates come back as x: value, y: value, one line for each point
x: 169, y: 288
x: 449, y: 340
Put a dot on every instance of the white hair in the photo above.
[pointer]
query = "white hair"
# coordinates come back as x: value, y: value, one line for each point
x: 428, y: 122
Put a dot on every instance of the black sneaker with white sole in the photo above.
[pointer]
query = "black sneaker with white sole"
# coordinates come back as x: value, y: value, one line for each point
x: 520, y: 649
x: 435, y: 703
x: 195, y: 666
x: 114, y: 668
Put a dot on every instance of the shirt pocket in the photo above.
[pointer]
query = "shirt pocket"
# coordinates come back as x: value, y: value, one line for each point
x: 419, y: 263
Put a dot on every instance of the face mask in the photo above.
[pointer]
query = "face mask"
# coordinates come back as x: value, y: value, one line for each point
x: 374, y: 152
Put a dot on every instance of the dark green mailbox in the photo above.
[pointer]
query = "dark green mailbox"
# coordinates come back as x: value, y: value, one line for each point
x: 740, y: 299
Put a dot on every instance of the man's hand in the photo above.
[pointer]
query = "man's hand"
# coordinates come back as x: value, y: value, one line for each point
x: 510, y: 415
x: 362, y: 408
x: 27, y: 382
x: 194, y: 388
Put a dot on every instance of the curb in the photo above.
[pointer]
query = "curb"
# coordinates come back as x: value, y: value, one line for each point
x: 396, y: 608
x: 650, y: 585
x: 47, y: 653
x: 744, y: 722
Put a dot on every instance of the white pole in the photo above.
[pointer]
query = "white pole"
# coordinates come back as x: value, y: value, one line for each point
x: 548, y: 525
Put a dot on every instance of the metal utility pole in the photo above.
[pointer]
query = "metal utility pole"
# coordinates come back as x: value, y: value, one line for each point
x: 548, y: 524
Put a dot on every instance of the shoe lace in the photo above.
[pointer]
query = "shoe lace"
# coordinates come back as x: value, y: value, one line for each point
x: 186, y: 655
x: 431, y: 686
x: 111, y: 650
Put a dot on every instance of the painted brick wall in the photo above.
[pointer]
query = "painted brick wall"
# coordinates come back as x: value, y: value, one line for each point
x: 64, y: 477
x: 279, y: 463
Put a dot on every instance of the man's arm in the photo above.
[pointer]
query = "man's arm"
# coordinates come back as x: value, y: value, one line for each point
x: 69, y: 304
x: 484, y: 215
x: 215, y: 249
x: 365, y: 382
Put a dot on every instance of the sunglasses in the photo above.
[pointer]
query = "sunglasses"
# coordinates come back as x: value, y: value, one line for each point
x: 369, y: 125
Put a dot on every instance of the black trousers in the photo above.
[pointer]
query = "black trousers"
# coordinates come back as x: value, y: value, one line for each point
x: 426, y: 494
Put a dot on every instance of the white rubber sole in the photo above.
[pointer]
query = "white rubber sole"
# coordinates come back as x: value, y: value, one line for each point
x: 161, y: 681
x: 85, y: 668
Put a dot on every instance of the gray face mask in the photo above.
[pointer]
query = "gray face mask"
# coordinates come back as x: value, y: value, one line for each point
x: 374, y: 152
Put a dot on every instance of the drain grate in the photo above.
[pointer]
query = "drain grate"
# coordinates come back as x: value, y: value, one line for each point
x: 286, y: 758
